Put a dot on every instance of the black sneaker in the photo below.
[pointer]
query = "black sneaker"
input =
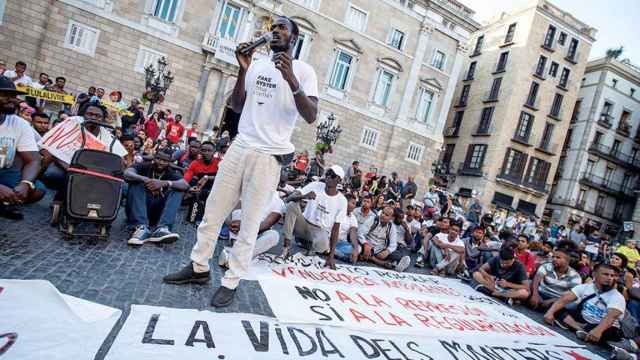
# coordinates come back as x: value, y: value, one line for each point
x: 187, y: 276
x: 163, y: 235
x: 10, y: 213
x: 560, y: 324
x: 223, y: 297
x: 483, y: 289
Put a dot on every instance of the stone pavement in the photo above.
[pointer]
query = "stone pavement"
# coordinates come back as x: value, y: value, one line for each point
x: 115, y: 274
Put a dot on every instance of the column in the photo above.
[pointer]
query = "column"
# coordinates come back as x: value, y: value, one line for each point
x: 451, y: 88
x: 202, y: 88
x: 414, y: 72
x: 219, y: 102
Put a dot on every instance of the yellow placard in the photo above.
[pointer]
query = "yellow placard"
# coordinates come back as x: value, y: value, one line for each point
x: 46, y: 94
x: 120, y: 111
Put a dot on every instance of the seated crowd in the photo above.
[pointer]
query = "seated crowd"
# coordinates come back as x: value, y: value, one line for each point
x: 343, y: 214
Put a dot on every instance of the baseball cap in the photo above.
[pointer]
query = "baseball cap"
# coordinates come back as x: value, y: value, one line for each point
x: 337, y: 170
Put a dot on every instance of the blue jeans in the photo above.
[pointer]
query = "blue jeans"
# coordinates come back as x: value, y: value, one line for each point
x: 11, y: 178
x: 633, y: 306
x: 55, y: 179
x: 143, y: 206
x: 343, y: 251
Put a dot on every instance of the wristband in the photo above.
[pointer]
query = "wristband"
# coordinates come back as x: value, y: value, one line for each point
x: 170, y: 184
x: 298, y: 91
x: 29, y: 183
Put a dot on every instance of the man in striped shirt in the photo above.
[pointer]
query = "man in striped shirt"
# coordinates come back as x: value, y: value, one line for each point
x: 554, y: 278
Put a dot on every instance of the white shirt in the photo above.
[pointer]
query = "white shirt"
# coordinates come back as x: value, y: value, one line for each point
x: 595, y: 309
x: 269, y: 113
x: 25, y: 79
x: 415, y: 226
x: 324, y: 210
x: 345, y: 227
x: 15, y: 135
x: 445, y: 239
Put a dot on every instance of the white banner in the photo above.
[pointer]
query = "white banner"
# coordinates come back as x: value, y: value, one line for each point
x: 37, y: 322
x: 152, y: 333
x: 390, y: 302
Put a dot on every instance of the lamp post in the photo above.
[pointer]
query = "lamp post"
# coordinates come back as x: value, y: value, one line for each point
x: 156, y: 83
x: 327, y: 133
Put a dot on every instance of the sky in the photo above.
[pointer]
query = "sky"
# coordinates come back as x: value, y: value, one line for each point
x: 613, y: 19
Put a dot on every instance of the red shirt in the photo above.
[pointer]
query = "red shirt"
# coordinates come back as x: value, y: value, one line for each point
x: 198, y: 168
x: 528, y: 260
x: 191, y: 133
x: 152, y: 129
x: 174, y: 132
x: 301, y: 163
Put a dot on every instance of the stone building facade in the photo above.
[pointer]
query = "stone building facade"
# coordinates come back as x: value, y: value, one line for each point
x: 600, y: 161
x: 513, y: 105
x: 386, y: 69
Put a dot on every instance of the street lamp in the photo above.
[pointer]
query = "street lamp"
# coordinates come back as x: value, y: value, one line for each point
x: 327, y: 133
x: 156, y: 83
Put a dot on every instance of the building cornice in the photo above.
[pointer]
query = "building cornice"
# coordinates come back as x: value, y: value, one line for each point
x: 613, y: 65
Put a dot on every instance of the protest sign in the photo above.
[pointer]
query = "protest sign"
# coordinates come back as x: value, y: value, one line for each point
x: 37, y: 322
x: 152, y: 333
x: 66, y: 138
x: 46, y: 94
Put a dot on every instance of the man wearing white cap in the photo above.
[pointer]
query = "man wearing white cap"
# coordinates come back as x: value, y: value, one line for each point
x: 267, y: 237
x: 320, y: 223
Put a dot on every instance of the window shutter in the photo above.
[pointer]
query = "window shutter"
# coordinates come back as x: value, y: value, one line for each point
x: 521, y: 164
x: 467, y: 160
x: 483, y: 154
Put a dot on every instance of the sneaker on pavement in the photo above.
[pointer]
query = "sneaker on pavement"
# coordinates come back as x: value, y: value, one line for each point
x: 163, y: 235
x: 581, y: 334
x: 419, y: 262
x: 621, y: 354
x: 186, y: 276
x: 625, y: 344
x: 403, y: 264
x: 140, y: 235
x: 223, y: 297
x: 223, y: 258
x: 560, y: 324
x: 482, y: 289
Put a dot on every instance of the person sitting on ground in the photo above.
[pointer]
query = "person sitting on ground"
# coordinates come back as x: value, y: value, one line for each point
x: 554, y: 278
x: 380, y: 245
x: 201, y: 172
x: 319, y: 225
x: 365, y: 216
x: 17, y: 142
x: 348, y: 247
x: 409, y: 191
x: 524, y: 255
x: 155, y: 192
x: 40, y: 123
x: 447, y: 251
x: 503, y: 277
x: 401, y: 227
x: 477, y: 250
x: 129, y: 145
x: 267, y: 237
x: 599, y: 311
x: 427, y: 232
x: 630, y: 250
x: 186, y: 157
x: 626, y: 275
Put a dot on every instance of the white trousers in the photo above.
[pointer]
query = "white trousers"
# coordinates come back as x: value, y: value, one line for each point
x: 246, y: 175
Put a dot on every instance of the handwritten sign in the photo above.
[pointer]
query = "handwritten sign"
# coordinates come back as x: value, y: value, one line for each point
x: 66, y: 138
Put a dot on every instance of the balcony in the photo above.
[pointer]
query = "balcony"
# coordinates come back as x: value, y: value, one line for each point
x: 516, y: 181
x: 615, y: 156
x: 572, y: 57
x: 484, y: 130
x: 532, y: 104
x: 624, y: 129
x: 605, y: 120
x: 539, y: 73
x: 549, y: 46
x: 522, y: 140
x: 608, y: 186
x: 451, y: 131
x: 465, y: 170
x: 549, y: 149
x: 491, y: 96
x: 476, y: 52
x: 468, y: 76
x: 212, y: 43
x: 564, y: 86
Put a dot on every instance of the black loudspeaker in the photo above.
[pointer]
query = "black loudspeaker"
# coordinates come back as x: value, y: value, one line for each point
x: 93, y: 198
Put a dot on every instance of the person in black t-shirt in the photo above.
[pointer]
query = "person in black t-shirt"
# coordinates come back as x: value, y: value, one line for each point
x: 503, y: 277
x: 155, y: 192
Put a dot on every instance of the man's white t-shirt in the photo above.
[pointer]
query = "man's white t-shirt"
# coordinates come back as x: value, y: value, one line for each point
x: 324, y: 210
x: 25, y: 79
x: 445, y: 239
x: 345, y: 227
x: 400, y: 231
x: 269, y: 113
x: 15, y: 135
x: 595, y: 309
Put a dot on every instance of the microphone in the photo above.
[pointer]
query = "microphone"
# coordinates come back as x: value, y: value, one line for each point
x: 262, y: 40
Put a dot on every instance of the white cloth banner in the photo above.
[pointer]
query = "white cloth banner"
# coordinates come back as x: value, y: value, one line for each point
x: 37, y: 322
x: 152, y: 333
x: 391, y: 302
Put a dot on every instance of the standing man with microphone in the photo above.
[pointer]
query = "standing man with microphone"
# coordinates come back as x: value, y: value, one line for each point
x: 270, y: 93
